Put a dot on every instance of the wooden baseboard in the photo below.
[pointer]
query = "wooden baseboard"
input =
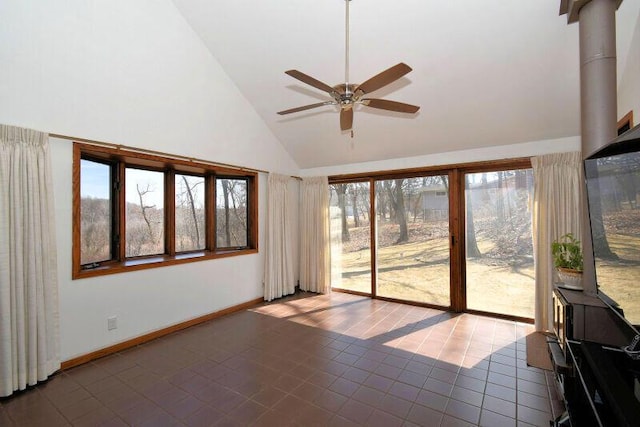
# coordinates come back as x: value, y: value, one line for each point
x: 155, y: 334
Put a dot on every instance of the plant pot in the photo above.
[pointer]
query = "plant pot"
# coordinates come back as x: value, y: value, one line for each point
x: 572, y: 279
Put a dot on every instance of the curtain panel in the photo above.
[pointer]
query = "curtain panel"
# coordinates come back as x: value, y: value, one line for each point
x: 557, y: 198
x: 315, y: 246
x: 279, y: 277
x: 29, y: 318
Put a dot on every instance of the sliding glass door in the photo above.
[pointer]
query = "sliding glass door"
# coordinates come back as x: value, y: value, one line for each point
x: 458, y: 238
x: 412, y: 235
x: 350, y: 211
x: 499, y: 248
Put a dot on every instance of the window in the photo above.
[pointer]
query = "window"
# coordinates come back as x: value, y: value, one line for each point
x: 350, y: 225
x: 96, y: 222
x: 231, y: 212
x: 499, y: 242
x: 134, y: 211
x: 144, y: 215
x: 412, y: 239
x: 190, y: 213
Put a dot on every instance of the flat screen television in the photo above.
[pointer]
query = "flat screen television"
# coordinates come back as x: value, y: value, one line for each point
x: 613, y: 189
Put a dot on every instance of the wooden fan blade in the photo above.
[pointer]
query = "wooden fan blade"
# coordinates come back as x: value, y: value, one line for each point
x: 346, y: 118
x: 306, y: 107
x: 385, y: 104
x: 311, y: 81
x: 384, y: 78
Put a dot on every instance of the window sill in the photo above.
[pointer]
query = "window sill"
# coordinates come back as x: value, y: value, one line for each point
x: 157, y: 262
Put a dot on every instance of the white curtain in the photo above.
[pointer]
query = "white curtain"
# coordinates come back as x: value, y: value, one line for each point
x: 29, y: 320
x: 557, y: 210
x: 315, y: 249
x: 279, y: 277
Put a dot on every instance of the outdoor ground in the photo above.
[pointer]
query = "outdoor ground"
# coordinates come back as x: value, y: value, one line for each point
x: 620, y: 279
x: 419, y: 271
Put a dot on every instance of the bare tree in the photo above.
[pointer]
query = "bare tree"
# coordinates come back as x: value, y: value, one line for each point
x: 417, y: 203
x: 500, y: 209
x: 341, y: 190
x: 599, y: 237
x: 144, y: 208
x: 189, y: 215
x: 396, y: 199
x: 233, y: 227
x: 381, y: 200
x: 363, y: 189
x: 472, y: 244
x: 238, y: 229
x: 354, y: 202
x: 445, y: 181
x: 227, y: 228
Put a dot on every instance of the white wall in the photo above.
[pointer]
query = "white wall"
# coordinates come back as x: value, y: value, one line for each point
x: 527, y: 149
x: 628, y: 18
x: 132, y: 73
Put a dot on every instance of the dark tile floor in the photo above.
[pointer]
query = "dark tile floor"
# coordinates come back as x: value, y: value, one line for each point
x: 336, y: 360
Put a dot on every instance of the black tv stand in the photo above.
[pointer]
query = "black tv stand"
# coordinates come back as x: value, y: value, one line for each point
x: 605, y: 389
x: 599, y: 382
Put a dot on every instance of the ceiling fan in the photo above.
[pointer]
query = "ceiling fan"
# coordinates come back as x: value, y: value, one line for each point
x: 347, y: 95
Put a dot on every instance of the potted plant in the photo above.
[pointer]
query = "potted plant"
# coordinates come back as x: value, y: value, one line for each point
x: 567, y: 258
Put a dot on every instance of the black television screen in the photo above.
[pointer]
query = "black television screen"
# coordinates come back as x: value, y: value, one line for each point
x: 613, y: 187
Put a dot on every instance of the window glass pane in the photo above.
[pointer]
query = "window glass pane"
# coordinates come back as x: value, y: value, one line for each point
x: 144, y: 213
x: 231, y: 213
x: 413, y: 239
x: 350, y: 236
x: 190, y: 214
x: 95, y: 212
x: 500, y: 274
x: 613, y: 185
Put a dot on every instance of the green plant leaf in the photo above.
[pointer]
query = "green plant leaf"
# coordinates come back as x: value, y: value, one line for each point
x: 567, y: 253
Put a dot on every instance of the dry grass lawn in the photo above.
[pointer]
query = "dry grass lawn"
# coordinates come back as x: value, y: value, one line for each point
x: 419, y: 271
x: 621, y: 279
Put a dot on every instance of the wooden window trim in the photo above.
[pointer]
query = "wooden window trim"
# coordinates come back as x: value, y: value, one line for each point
x: 487, y: 166
x: 170, y: 166
x: 625, y: 122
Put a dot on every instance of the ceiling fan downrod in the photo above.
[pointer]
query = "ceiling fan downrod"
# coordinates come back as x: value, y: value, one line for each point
x: 346, y: 49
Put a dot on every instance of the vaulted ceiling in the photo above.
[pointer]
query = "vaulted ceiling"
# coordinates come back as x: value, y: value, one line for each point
x: 485, y: 73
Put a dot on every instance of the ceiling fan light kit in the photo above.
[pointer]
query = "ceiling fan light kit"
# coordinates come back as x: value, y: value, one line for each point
x: 346, y: 94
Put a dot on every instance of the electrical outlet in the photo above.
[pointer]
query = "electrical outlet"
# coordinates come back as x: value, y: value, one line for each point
x: 112, y: 323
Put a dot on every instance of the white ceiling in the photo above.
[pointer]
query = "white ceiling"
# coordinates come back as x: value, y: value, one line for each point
x: 485, y: 73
